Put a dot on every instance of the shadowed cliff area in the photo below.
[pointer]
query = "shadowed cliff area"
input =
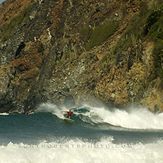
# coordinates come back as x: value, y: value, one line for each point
x: 63, y: 51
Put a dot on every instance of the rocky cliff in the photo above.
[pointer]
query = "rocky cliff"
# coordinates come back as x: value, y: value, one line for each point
x: 81, y: 50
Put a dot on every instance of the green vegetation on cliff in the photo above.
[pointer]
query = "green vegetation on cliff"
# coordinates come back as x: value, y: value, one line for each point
x: 15, y: 23
x: 101, y: 33
x: 155, y: 32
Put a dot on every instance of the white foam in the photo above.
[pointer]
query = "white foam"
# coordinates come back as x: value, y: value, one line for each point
x: 4, y: 114
x: 79, y: 151
x: 135, y: 118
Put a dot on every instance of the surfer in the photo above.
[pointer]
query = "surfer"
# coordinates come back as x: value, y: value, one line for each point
x: 69, y: 114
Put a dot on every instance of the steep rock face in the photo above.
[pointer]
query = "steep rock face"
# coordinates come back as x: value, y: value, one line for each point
x: 82, y: 50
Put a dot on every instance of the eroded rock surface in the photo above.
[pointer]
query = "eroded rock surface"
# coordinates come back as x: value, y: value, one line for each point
x: 52, y: 50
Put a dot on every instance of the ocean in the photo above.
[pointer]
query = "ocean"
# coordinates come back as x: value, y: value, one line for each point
x: 94, y: 135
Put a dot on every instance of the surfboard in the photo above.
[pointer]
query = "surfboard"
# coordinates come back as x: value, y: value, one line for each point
x: 68, y: 120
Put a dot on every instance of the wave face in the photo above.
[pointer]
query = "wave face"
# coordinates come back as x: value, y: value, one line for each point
x: 80, y: 151
x: 131, y: 118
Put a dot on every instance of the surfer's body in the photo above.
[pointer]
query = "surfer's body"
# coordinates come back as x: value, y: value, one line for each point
x: 69, y: 114
x: 74, y: 114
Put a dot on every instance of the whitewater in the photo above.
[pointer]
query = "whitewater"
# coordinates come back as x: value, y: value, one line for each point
x: 78, y: 151
x: 97, y: 135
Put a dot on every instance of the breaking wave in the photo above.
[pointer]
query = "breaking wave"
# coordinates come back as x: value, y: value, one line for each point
x: 131, y: 118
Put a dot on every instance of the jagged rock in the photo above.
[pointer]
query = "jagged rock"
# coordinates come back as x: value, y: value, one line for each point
x: 110, y: 50
x: 4, y: 80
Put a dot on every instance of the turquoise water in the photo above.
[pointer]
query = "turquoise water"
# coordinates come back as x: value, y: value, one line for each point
x: 45, y: 136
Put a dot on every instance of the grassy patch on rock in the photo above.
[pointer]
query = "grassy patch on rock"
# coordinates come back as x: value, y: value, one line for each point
x: 101, y: 32
x: 155, y: 32
x: 158, y: 58
x: 8, y: 29
x: 145, y: 25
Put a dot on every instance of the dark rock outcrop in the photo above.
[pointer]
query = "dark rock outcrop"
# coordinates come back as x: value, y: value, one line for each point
x: 76, y: 51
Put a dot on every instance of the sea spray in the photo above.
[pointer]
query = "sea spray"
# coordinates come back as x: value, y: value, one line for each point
x: 51, y: 108
x: 132, y: 118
